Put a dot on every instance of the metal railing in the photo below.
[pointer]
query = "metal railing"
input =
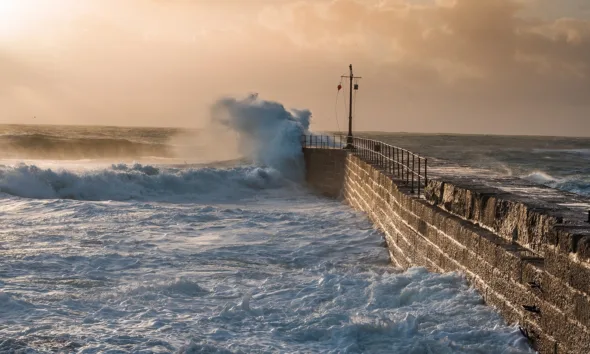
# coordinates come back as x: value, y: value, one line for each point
x: 409, y: 168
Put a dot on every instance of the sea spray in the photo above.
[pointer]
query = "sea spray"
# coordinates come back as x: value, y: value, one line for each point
x: 576, y: 183
x: 268, y: 133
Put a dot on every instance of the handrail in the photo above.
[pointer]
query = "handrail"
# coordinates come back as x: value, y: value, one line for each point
x: 398, y: 162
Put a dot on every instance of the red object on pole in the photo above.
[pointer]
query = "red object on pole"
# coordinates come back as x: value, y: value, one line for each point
x: 339, y: 87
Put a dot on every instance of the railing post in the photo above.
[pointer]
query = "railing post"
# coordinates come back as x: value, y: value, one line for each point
x: 413, y: 172
x: 363, y: 151
x: 375, y: 155
x: 403, y: 171
x: 378, y: 154
x: 408, y: 167
x: 425, y: 172
x: 389, y: 165
x: 364, y: 147
x: 419, y: 171
x: 383, y: 157
x: 362, y: 144
x: 397, y: 161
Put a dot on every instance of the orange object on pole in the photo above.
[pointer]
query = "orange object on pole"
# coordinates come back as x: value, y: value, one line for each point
x: 339, y: 87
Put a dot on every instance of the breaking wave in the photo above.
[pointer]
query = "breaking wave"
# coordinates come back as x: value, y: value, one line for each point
x: 579, y: 184
x: 268, y: 133
x: 124, y: 182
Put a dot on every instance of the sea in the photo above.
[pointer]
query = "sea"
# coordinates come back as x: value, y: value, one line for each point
x: 157, y: 240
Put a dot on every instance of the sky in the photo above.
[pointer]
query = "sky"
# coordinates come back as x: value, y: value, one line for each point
x: 434, y: 66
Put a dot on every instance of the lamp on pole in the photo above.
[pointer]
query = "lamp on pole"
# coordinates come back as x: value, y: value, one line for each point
x: 349, y: 138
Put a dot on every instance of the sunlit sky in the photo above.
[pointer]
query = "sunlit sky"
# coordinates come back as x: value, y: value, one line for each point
x: 452, y: 66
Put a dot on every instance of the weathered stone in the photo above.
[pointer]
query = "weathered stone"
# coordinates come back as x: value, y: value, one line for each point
x: 583, y: 248
x: 527, y: 260
x: 580, y: 277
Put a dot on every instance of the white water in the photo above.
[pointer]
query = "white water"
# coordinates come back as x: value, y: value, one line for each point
x: 287, y: 272
x: 150, y: 259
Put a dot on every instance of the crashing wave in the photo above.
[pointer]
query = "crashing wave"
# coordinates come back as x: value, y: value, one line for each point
x: 123, y: 182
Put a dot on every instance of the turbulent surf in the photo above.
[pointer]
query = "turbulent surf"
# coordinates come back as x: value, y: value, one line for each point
x: 144, y: 251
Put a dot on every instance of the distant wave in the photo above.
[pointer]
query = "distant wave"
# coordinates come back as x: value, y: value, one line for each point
x: 582, y: 152
x: 124, y: 182
x: 42, y: 146
x: 576, y: 184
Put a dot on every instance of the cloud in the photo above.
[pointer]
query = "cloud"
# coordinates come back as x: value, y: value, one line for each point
x: 482, y: 56
x: 485, y: 66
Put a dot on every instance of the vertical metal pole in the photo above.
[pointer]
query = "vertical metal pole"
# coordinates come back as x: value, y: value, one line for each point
x: 363, y: 149
x: 349, y: 139
x: 393, y: 161
x: 419, y: 171
x: 413, y: 170
x: 402, y: 172
x: 397, y: 161
x: 408, y: 167
x: 390, y: 166
x: 425, y: 172
x: 377, y: 157
x: 365, y: 152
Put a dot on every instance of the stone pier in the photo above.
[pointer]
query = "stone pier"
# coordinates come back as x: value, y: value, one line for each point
x: 528, y: 254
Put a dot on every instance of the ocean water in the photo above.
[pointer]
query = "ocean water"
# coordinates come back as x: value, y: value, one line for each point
x: 146, y: 248
x: 557, y: 162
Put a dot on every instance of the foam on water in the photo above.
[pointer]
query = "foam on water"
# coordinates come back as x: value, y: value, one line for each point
x: 227, y: 259
x: 123, y: 182
x: 301, y: 274
x: 575, y: 183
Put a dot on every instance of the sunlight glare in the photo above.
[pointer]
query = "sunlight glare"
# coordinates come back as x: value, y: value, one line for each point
x: 20, y: 16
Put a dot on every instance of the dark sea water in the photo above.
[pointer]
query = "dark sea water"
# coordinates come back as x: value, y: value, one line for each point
x: 559, y: 162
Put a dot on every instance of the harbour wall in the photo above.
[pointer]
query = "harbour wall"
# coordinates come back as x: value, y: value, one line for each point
x: 530, y: 259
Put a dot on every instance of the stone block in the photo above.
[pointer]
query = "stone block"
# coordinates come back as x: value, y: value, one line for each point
x: 583, y: 249
x: 557, y: 263
x: 487, y: 247
x: 580, y: 276
x: 468, y: 235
